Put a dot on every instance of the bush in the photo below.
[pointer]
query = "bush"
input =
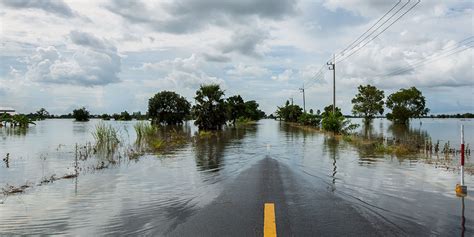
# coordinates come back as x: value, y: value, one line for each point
x: 289, y: 113
x: 81, y: 114
x: 337, y: 123
x: 309, y: 119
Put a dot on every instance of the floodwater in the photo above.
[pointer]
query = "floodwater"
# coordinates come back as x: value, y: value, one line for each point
x: 158, y: 192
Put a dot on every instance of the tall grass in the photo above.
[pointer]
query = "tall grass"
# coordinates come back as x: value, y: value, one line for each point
x: 106, y: 136
x: 144, y: 130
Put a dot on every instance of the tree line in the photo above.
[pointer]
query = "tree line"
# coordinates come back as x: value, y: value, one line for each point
x: 211, y: 110
x: 367, y: 103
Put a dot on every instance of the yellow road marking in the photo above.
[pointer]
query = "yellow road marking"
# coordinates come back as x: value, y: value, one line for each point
x: 269, y: 228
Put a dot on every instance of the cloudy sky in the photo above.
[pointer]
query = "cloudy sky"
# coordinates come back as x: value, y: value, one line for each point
x: 112, y: 55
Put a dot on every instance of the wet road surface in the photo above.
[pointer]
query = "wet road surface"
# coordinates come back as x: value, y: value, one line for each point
x: 301, y: 208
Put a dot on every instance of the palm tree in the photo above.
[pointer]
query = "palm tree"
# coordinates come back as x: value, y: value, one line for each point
x: 210, y: 110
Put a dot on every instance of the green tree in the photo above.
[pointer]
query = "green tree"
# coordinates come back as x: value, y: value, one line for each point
x: 168, y: 107
x: 210, y: 108
x: 309, y: 119
x: 81, y: 114
x: 335, y: 121
x: 368, y: 102
x: 289, y: 113
x: 105, y: 117
x: 42, y: 114
x: 252, y: 111
x: 328, y: 109
x: 116, y: 116
x: 406, y: 104
x: 235, y: 108
x: 125, y: 116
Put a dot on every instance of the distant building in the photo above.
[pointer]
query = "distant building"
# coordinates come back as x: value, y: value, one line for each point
x: 7, y: 110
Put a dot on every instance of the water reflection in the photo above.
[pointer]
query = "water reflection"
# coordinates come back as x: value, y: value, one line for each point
x: 463, y: 218
x: 367, y: 130
x: 210, y: 149
x: 408, y: 134
x: 331, y: 146
x: 13, y: 131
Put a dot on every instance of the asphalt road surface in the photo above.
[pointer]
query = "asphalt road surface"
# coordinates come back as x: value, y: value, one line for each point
x: 300, y: 208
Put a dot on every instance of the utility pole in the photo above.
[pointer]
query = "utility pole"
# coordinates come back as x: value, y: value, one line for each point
x: 304, y: 100
x: 291, y: 98
x: 332, y: 66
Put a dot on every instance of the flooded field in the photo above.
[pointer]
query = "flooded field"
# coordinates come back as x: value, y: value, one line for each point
x: 157, y: 192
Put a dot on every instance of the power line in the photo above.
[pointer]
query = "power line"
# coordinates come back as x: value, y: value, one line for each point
x: 354, y: 42
x: 458, y: 45
x: 430, y: 60
x: 403, y: 14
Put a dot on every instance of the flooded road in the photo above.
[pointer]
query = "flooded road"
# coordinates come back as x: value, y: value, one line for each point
x: 320, y: 185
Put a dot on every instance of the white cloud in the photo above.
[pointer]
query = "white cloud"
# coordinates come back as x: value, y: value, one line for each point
x: 284, y: 76
x: 182, y: 72
x: 93, y: 62
x: 252, y: 71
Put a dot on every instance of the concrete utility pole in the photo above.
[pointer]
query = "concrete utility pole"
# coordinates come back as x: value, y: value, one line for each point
x: 291, y: 98
x: 304, y: 100
x: 332, y: 66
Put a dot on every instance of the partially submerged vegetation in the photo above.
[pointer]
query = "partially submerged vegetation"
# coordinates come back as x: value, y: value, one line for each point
x: 106, y: 137
x: 17, y: 120
x: 150, y: 138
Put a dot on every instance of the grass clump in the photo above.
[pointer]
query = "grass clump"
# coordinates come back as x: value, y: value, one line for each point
x: 145, y: 130
x: 106, y: 136
x: 204, y: 134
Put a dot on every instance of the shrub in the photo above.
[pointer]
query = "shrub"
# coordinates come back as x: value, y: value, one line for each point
x: 81, y: 114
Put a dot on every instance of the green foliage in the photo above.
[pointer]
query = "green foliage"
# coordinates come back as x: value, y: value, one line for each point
x: 106, y: 137
x: 332, y: 122
x: 42, y: 114
x: 235, y: 108
x: 289, y: 113
x: 336, y: 122
x: 252, y: 112
x: 309, y: 119
x: 210, y: 108
x: 125, y: 116
x: 168, y: 107
x: 238, y: 109
x: 105, y: 117
x: 144, y: 130
x: 81, y: 114
x: 368, y: 102
x: 5, y: 118
x: 18, y: 120
x: 328, y: 109
x: 406, y: 104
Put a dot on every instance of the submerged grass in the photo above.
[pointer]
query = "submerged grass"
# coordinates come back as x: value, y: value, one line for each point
x: 145, y: 130
x: 106, y: 137
x: 151, y: 138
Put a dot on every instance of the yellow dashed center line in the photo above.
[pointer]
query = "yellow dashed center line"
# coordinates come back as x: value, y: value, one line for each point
x: 269, y: 225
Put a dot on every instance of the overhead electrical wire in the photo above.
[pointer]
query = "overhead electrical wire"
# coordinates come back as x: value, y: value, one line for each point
x: 359, y: 43
x: 398, y: 18
x: 380, y: 19
x: 459, y: 47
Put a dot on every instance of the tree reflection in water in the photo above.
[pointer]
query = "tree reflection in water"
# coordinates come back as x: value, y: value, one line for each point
x: 331, y: 146
x: 209, y: 150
